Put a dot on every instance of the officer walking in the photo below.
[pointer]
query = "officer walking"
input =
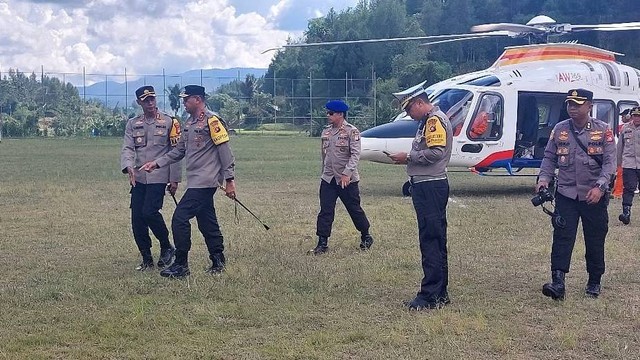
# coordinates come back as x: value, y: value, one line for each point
x: 427, y: 169
x: 149, y: 136
x: 629, y: 160
x: 583, y: 149
x: 210, y: 163
x: 340, y: 156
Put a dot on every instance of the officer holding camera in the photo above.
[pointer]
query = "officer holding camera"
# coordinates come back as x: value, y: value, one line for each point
x: 584, y: 151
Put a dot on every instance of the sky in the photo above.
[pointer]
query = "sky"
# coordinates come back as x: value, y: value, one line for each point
x: 145, y: 37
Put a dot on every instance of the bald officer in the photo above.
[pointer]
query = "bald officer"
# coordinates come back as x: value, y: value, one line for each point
x: 427, y: 169
x: 147, y: 137
x: 629, y: 160
x: 584, y: 152
x: 340, y: 156
x: 210, y: 163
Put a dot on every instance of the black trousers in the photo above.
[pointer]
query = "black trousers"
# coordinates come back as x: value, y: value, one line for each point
x: 146, y: 202
x: 196, y: 203
x: 350, y: 197
x: 595, y: 225
x: 430, y: 200
x: 630, y: 180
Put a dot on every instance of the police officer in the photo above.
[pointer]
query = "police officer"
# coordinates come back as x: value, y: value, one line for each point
x: 629, y: 160
x: 583, y: 149
x: 340, y: 156
x: 149, y: 136
x: 427, y: 169
x: 210, y: 163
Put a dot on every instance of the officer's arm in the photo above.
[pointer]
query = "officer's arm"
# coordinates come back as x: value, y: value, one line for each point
x: 550, y: 160
x: 436, y: 141
x: 608, y: 158
x: 354, y: 148
x: 127, y: 155
x: 175, y: 155
x: 227, y: 161
x: 620, y: 148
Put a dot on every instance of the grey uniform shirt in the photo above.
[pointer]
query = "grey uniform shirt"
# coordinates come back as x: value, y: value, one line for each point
x: 208, y: 165
x: 146, y: 139
x: 578, y: 172
x: 340, y: 152
x: 431, y: 148
x: 629, y: 146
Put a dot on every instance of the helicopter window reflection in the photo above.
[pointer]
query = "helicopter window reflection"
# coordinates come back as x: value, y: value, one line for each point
x: 455, y: 103
x: 487, y: 120
x: 606, y: 111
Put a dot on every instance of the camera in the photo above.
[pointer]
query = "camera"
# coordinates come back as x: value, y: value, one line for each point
x: 543, y: 196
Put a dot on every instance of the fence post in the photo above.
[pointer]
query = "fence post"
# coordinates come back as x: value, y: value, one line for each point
x: 310, y: 105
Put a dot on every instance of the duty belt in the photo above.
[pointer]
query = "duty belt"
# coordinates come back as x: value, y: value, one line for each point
x: 422, y: 178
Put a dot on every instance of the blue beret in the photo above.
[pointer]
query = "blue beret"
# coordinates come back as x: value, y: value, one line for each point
x: 337, y: 106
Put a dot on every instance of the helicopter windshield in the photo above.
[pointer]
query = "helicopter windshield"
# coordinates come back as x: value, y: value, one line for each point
x: 455, y: 103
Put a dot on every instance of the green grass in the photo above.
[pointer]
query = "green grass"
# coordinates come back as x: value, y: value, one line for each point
x: 68, y: 289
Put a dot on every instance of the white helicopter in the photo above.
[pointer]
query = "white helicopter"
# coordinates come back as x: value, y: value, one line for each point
x: 502, y: 116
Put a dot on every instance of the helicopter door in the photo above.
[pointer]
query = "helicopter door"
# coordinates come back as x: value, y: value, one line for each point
x: 484, y: 131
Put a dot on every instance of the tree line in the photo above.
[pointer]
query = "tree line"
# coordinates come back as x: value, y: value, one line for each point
x: 41, y: 105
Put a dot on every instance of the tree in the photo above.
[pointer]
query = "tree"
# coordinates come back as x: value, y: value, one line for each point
x: 174, y: 98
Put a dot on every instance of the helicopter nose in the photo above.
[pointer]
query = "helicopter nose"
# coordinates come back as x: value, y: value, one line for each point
x: 372, y: 150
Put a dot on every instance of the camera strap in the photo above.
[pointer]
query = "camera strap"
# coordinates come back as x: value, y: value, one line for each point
x: 597, y: 159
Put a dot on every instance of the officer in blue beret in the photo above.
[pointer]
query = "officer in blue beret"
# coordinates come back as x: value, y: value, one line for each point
x: 339, y: 179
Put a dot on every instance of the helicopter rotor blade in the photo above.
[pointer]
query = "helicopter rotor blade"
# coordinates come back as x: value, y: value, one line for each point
x: 513, y: 28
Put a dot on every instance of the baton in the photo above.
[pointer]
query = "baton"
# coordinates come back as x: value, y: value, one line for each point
x: 250, y: 212
x: 174, y: 199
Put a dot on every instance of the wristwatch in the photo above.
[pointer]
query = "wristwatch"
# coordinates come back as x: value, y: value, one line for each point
x: 604, y: 187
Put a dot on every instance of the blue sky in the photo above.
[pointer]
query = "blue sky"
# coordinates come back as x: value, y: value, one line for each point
x: 106, y: 36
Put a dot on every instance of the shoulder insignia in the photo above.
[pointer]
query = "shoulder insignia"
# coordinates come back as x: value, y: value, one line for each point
x: 174, y: 135
x: 355, y: 134
x: 608, y: 135
x: 435, y: 133
x: 219, y: 134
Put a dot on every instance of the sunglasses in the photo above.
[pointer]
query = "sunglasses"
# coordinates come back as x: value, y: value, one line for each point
x: 330, y: 113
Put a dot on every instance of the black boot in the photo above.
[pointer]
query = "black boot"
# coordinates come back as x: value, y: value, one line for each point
x: 593, y: 286
x: 366, y: 241
x: 166, y: 256
x: 555, y: 289
x: 179, y: 268
x: 147, y: 261
x: 322, y: 247
x: 625, y: 217
x: 217, y: 263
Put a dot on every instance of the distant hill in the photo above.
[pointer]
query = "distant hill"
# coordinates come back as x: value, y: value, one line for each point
x: 122, y: 94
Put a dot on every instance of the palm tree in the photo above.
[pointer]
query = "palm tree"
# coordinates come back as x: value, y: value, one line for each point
x: 174, y: 98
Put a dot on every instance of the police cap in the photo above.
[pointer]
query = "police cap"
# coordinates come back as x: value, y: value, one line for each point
x: 337, y: 106
x: 635, y: 111
x: 405, y: 96
x: 192, y: 90
x: 579, y: 96
x: 144, y: 92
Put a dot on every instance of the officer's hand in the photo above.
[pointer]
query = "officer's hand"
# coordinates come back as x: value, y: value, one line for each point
x: 399, y: 158
x: 149, y: 167
x: 594, y: 195
x: 344, y: 181
x: 541, y: 184
x: 230, y: 189
x: 132, y: 176
x: 172, y: 188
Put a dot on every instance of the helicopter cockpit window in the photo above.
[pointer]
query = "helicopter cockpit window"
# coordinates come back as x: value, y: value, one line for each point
x: 606, y: 111
x: 486, y: 123
x: 455, y: 103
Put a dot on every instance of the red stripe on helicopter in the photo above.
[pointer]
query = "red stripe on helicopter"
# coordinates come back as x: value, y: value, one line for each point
x: 497, y: 156
x: 519, y: 56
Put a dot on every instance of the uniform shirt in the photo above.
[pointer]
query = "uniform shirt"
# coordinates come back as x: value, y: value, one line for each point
x: 208, y: 165
x: 629, y: 146
x: 431, y: 148
x: 578, y: 171
x: 340, y: 152
x: 146, y: 139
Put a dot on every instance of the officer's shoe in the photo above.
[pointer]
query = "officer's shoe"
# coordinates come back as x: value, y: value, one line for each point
x: 592, y: 290
x: 176, y: 271
x: 217, y: 264
x: 625, y: 217
x: 365, y: 242
x: 146, y: 264
x: 166, y: 256
x: 419, y: 304
x: 322, y: 246
x: 555, y: 289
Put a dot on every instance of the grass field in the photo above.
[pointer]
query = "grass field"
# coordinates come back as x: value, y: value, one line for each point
x: 68, y: 289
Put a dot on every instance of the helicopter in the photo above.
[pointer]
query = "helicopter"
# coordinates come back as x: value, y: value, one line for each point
x: 502, y: 116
